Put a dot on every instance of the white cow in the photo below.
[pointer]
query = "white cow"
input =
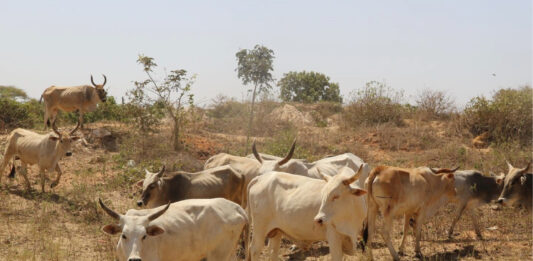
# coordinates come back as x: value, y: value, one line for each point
x: 186, y: 230
x: 285, y: 204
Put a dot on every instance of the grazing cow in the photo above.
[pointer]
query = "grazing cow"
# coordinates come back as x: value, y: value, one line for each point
x: 286, y: 204
x: 45, y: 150
x: 81, y: 98
x: 517, y: 187
x: 415, y: 193
x: 182, y: 231
x: 474, y: 189
x: 223, y: 182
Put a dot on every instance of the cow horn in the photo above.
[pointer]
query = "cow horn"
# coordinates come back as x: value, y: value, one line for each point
x: 109, y: 211
x: 256, y: 154
x: 160, y: 173
x: 527, y: 167
x: 75, y: 129
x: 354, y: 177
x: 158, y: 213
x: 54, y: 127
x: 92, y: 81
x: 105, y: 80
x: 435, y: 171
x: 289, y: 155
x: 509, y: 165
x: 455, y: 169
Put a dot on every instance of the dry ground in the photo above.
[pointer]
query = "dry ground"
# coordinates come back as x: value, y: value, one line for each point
x: 64, y: 223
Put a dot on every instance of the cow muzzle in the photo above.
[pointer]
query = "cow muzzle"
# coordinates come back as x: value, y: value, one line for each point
x: 68, y: 154
x: 501, y: 201
x: 140, y: 203
x: 135, y: 259
x: 320, y: 219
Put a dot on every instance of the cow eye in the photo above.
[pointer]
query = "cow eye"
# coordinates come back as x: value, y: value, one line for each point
x: 152, y: 185
x: 335, y: 197
x: 123, y: 236
x: 144, y: 237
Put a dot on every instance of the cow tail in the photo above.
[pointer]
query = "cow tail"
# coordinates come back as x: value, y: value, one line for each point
x: 249, y: 214
x: 41, y: 99
x: 370, y: 197
x: 12, y: 172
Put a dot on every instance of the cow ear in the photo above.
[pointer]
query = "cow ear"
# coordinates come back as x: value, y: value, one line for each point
x: 523, y: 180
x: 140, y: 183
x: 324, y: 177
x: 154, y: 230
x: 54, y: 138
x: 112, y: 229
x: 357, y: 191
x: 450, y: 176
x: 499, y: 181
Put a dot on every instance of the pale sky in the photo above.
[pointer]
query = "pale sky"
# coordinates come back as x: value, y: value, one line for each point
x: 412, y: 45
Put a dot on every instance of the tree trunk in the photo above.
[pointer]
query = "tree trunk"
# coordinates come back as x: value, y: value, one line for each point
x: 251, y: 121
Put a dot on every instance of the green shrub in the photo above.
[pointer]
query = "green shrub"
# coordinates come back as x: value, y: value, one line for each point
x: 376, y: 103
x: 506, y: 117
x: 16, y: 114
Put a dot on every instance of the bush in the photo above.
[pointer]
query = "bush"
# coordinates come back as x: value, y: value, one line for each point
x: 434, y: 104
x: 108, y: 110
x: 506, y: 117
x: 376, y: 103
x: 14, y: 115
x: 308, y: 87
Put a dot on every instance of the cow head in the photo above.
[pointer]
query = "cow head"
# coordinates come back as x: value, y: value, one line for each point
x: 513, y: 183
x: 338, y: 197
x: 151, y: 185
x: 134, y: 231
x: 102, y: 94
x: 284, y: 165
x: 448, y: 179
x: 64, y: 140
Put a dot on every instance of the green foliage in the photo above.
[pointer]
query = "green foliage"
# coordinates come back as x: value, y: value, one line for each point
x: 255, y: 66
x: 376, y: 103
x: 506, y: 117
x: 13, y: 93
x: 170, y: 94
x: 14, y: 115
x: 308, y: 87
x: 109, y: 110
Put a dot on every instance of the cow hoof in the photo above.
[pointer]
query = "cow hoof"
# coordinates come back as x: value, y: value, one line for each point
x: 401, y: 253
x: 293, y: 249
x: 53, y: 185
x: 479, y: 236
x: 418, y: 255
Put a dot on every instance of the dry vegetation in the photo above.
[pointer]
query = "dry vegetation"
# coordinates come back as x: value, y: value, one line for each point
x: 64, y: 223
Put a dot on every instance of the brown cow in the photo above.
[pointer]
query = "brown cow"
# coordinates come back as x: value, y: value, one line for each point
x: 414, y: 193
x: 77, y: 98
x: 219, y: 182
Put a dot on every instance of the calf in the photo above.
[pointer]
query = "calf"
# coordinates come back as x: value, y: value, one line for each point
x: 473, y: 189
x: 517, y: 187
x: 44, y: 150
x: 223, y: 182
x: 285, y: 204
x: 414, y: 193
x: 182, y: 231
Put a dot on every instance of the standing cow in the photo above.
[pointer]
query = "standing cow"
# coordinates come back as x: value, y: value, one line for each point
x: 223, y: 182
x: 44, y: 150
x: 474, y: 189
x: 414, y: 193
x: 517, y: 187
x: 82, y: 98
x: 182, y: 231
x: 284, y: 204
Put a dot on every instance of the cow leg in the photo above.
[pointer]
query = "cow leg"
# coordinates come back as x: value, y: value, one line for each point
x: 335, y: 244
x: 387, y: 227
x: 24, y: 172
x: 81, y: 119
x: 43, y: 178
x: 417, y: 227
x: 459, y: 214
x: 257, y: 244
x: 401, y: 249
x: 371, y: 220
x: 273, y: 246
x: 59, y: 173
x: 473, y: 215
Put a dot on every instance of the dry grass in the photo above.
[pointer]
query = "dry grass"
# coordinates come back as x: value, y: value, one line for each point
x: 64, y: 224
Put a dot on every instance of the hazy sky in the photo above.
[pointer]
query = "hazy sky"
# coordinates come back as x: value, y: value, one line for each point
x: 412, y: 45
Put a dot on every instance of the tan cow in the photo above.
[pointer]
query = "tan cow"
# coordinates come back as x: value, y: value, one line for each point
x: 77, y: 98
x: 414, y: 193
x: 517, y: 187
x: 45, y: 150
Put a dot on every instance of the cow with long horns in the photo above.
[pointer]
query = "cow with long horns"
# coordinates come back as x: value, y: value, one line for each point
x: 82, y: 98
x: 45, y: 150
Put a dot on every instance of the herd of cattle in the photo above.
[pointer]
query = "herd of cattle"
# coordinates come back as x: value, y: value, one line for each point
x: 192, y: 216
